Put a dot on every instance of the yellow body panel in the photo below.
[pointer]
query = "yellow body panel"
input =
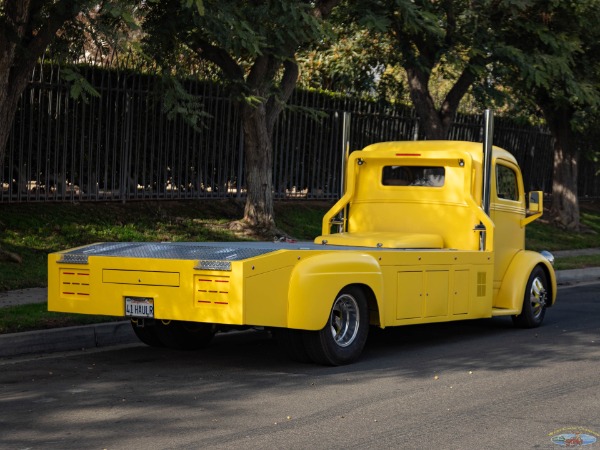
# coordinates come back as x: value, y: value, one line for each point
x: 509, y: 299
x: 415, y: 251
x: 316, y: 282
x: 288, y: 288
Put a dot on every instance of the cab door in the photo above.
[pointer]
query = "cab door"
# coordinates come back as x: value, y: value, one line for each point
x: 507, y: 210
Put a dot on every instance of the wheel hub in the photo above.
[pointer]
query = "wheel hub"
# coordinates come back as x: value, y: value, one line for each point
x: 538, y: 297
x: 345, y: 320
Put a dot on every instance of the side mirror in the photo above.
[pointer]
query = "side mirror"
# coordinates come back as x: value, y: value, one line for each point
x: 535, y: 202
x: 535, y: 207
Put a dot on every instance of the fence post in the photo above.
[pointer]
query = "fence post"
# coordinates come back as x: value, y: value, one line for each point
x: 240, y: 170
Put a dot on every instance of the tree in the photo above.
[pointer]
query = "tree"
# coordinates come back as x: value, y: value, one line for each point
x: 351, y: 60
x: 553, y: 62
x: 27, y: 28
x: 254, y: 44
x: 450, y: 37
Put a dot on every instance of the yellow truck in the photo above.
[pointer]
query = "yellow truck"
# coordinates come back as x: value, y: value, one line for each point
x: 428, y: 231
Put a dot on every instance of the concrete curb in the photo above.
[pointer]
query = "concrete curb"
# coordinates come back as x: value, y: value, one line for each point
x: 566, y: 277
x: 66, y: 339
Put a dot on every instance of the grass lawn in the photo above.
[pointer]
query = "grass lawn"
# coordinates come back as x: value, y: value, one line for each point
x: 15, y: 319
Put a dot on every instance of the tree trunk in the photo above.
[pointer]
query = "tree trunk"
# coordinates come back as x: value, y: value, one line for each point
x: 10, y: 92
x: 437, y: 123
x: 565, y: 201
x: 22, y: 42
x: 258, y: 123
x: 418, y: 82
x: 258, y: 152
x: 12, y: 79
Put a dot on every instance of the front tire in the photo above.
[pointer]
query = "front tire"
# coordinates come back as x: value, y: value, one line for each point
x: 343, y: 337
x: 535, y: 300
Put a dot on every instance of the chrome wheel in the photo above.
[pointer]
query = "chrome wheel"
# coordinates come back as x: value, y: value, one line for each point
x: 537, y: 297
x: 535, y: 300
x: 344, y: 321
x: 343, y: 337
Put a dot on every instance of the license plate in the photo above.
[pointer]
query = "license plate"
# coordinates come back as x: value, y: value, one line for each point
x: 139, y: 307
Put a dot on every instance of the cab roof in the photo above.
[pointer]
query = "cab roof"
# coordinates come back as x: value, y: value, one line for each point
x: 434, y: 149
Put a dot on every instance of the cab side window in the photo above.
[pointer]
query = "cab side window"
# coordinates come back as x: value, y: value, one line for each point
x: 507, y: 187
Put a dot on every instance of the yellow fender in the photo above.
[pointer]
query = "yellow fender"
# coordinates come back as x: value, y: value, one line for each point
x: 316, y: 281
x: 512, y: 289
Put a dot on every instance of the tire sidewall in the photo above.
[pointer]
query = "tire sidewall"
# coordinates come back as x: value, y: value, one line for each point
x: 336, y: 354
x: 527, y: 317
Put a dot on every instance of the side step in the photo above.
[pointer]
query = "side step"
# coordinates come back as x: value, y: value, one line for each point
x: 496, y: 312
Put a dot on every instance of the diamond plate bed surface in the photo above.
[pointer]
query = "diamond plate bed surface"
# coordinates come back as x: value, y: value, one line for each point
x: 175, y: 250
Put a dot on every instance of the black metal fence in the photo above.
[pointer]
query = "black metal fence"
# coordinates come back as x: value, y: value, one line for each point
x: 122, y: 146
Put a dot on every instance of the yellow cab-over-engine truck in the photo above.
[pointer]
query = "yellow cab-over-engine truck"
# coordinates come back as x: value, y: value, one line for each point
x: 426, y: 231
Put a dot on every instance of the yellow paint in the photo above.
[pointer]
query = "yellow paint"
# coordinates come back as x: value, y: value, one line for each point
x: 316, y: 281
x: 509, y: 299
x: 413, y: 250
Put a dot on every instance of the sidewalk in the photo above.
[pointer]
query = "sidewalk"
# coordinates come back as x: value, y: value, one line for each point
x: 114, y: 333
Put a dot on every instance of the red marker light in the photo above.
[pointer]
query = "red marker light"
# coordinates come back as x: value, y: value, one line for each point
x: 408, y: 154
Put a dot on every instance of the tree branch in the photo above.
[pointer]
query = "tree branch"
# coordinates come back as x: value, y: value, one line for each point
x: 221, y: 58
x: 288, y: 84
x: 457, y: 92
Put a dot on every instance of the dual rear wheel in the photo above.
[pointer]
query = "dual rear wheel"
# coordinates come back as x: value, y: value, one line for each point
x: 340, y: 341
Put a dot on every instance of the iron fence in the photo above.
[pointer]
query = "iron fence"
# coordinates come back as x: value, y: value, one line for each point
x: 122, y: 146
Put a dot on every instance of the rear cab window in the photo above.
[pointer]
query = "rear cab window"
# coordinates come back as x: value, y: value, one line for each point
x: 431, y: 176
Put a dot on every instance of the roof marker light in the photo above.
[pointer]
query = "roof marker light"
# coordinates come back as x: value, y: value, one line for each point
x: 408, y: 154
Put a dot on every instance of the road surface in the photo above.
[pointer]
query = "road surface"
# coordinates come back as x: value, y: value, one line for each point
x: 471, y: 385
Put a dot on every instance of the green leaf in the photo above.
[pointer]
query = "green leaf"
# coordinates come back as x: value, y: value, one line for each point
x: 199, y: 4
x: 80, y: 87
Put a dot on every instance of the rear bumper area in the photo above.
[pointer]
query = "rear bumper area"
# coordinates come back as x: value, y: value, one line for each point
x: 176, y: 290
x: 190, y: 282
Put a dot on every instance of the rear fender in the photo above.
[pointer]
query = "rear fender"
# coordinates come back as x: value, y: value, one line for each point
x: 316, y: 281
x: 512, y: 289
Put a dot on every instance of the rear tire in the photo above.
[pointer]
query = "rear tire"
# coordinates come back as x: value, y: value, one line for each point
x: 343, y: 338
x: 180, y: 335
x: 534, y: 301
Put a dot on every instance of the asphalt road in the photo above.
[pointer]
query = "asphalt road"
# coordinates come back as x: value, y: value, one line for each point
x: 470, y: 385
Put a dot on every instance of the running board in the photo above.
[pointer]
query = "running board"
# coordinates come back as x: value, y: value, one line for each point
x: 505, y: 312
